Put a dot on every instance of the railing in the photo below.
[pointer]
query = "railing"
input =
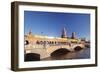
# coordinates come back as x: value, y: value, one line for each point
x: 45, y: 46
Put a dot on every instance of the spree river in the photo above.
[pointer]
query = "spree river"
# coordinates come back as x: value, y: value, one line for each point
x: 81, y: 54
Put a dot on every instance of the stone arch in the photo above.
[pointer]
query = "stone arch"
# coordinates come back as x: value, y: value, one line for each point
x: 78, y: 48
x: 60, y: 51
x: 31, y: 57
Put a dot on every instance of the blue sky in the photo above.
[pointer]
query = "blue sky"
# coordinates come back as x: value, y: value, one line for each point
x: 52, y: 23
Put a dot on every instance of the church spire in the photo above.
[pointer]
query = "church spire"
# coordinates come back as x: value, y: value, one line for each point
x: 64, y: 35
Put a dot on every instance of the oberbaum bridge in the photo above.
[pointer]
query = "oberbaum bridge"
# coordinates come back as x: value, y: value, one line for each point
x: 45, y: 46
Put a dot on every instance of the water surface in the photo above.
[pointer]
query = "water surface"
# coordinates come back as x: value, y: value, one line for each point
x: 81, y: 54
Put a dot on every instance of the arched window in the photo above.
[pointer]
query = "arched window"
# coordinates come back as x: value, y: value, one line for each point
x: 37, y: 42
x: 44, y: 42
x: 55, y: 42
x: 26, y: 42
x: 41, y: 42
x: 47, y: 42
x: 52, y: 42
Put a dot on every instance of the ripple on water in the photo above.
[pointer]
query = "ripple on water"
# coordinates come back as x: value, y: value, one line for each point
x: 82, y: 54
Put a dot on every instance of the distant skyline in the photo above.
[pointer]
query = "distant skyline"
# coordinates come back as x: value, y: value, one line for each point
x: 52, y: 23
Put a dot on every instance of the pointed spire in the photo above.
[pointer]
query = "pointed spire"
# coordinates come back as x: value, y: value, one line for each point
x: 64, y: 35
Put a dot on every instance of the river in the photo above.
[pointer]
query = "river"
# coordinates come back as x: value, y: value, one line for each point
x: 81, y: 54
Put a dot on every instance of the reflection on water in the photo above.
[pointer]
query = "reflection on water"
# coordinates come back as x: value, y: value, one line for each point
x: 81, y: 54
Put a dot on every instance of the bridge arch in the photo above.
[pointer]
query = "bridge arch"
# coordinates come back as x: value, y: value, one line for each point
x: 59, y: 51
x: 78, y: 48
x: 31, y: 57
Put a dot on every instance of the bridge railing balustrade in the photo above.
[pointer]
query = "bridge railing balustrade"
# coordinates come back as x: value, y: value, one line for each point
x: 53, y: 43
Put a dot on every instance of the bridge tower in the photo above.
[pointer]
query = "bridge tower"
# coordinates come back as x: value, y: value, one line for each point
x: 64, y: 35
x: 73, y: 35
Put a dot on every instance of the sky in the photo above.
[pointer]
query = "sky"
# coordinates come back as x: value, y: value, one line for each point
x: 52, y: 23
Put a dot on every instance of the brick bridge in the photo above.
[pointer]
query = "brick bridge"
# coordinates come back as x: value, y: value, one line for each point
x: 46, y: 50
x: 44, y: 46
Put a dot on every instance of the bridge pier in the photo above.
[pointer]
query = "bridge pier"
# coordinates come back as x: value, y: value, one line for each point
x: 44, y: 55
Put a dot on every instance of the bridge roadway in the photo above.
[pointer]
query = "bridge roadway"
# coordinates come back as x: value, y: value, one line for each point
x: 46, y: 50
